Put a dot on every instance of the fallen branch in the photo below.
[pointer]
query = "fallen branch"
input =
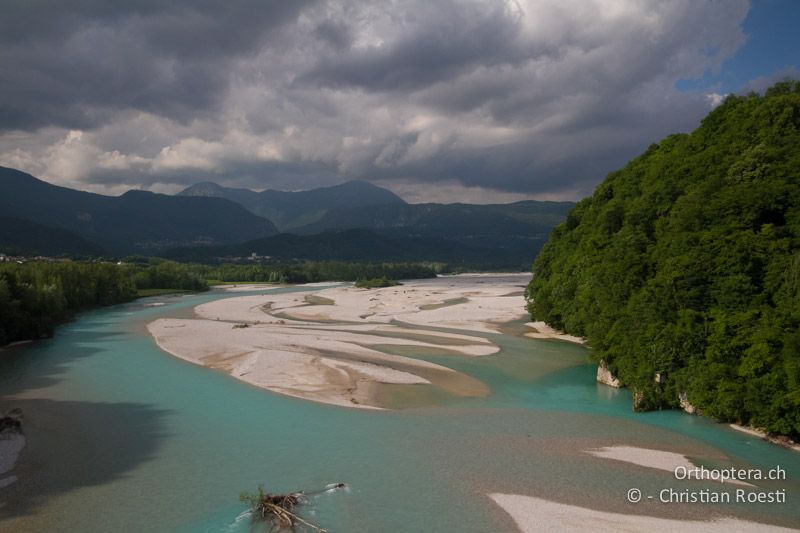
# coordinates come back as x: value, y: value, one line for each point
x: 278, y: 508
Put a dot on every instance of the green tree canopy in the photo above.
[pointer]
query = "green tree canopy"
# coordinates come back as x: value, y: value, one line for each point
x: 686, y: 264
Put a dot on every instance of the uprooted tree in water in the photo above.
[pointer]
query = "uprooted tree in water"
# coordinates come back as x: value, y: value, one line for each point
x: 278, y: 509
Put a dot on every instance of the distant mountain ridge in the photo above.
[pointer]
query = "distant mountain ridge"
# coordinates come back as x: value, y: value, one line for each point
x: 135, y: 222
x: 504, y: 232
x: 292, y: 209
x: 25, y: 237
x: 527, y: 218
x: 350, y: 221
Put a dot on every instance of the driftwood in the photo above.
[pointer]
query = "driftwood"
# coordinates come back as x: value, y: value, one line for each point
x: 278, y: 509
x: 11, y: 421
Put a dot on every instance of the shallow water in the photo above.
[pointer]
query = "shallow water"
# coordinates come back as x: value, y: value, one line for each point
x: 122, y: 436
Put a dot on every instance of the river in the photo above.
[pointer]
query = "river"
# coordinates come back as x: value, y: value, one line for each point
x: 122, y: 436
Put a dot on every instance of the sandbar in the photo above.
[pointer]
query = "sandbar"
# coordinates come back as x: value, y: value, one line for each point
x: 543, y: 331
x: 657, y: 459
x: 325, y: 345
x: 533, y: 514
x: 761, y: 434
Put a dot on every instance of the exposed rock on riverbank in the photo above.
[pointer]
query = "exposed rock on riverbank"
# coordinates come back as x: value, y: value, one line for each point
x: 605, y: 376
x: 685, y: 405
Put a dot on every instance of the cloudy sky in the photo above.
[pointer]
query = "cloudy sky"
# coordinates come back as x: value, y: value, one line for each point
x: 437, y: 100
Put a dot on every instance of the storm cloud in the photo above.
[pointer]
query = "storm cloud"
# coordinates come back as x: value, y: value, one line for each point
x: 440, y: 100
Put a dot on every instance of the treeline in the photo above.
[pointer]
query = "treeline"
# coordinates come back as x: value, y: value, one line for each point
x: 375, y: 283
x: 683, y: 269
x: 36, y: 296
x: 316, y: 271
x: 160, y: 274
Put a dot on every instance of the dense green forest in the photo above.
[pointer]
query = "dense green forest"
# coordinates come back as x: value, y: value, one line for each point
x: 683, y: 268
x: 160, y: 274
x: 314, y: 271
x: 150, y: 272
x: 375, y: 283
x: 37, y: 296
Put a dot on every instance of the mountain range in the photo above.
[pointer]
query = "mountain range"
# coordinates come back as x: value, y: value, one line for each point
x: 477, y: 234
x: 206, y: 222
x: 135, y: 222
x: 293, y: 209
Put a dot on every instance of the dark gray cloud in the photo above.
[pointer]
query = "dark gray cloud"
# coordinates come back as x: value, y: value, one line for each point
x: 335, y: 34
x: 444, y: 39
x: 236, y: 173
x: 75, y: 64
x: 530, y: 97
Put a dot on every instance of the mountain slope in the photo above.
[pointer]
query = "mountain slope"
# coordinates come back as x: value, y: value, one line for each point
x: 292, y: 209
x: 25, y: 237
x: 136, y: 222
x: 502, y: 230
x: 508, y: 233
x: 683, y: 268
x: 250, y: 200
x: 354, y: 245
x: 528, y: 218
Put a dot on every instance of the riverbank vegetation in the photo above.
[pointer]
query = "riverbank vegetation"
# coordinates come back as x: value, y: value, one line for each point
x: 36, y: 296
x: 375, y: 283
x: 316, y: 271
x: 683, y: 268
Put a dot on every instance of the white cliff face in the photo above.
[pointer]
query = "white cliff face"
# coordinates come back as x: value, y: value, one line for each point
x: 605, y: 376
x: 685, y: 405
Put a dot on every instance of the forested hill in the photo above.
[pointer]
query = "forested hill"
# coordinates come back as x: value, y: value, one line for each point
x: 25, y: 237
x: 683, y: 268
x: 292, y: 209
x: 135, y: 222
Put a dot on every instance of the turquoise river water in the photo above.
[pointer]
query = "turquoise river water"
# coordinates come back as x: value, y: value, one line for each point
x: 123, y: 437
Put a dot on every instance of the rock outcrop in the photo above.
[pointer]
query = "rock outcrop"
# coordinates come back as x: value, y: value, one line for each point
x: 685, y: 405
x: 605, y: 376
